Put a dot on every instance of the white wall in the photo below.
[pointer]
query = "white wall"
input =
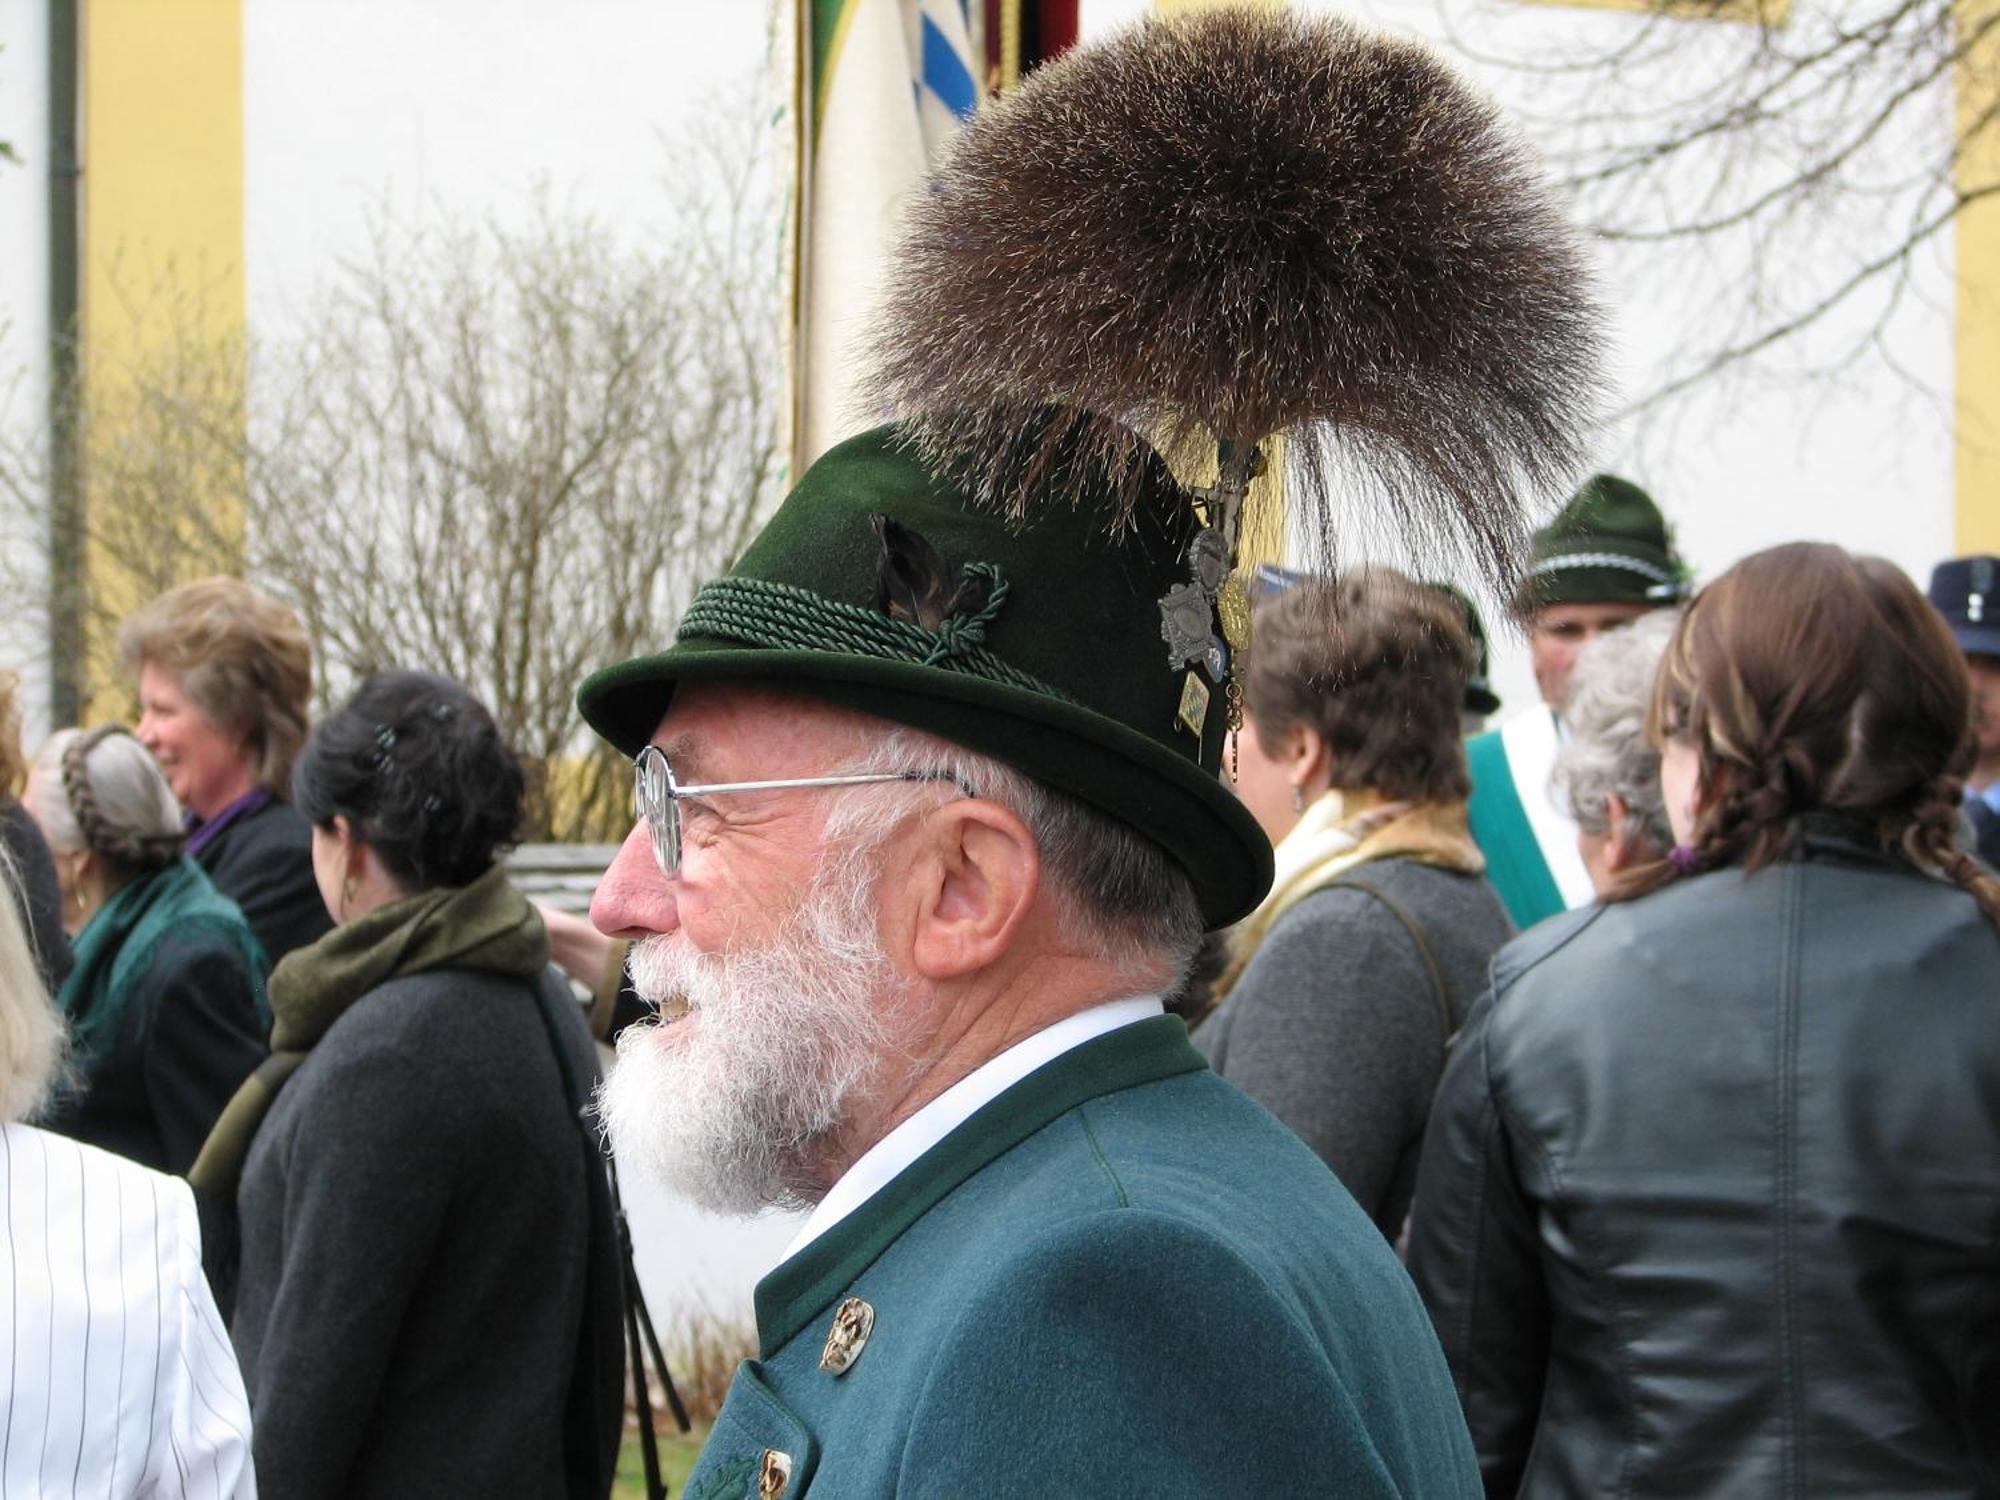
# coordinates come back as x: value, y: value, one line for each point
x: 357, y: 108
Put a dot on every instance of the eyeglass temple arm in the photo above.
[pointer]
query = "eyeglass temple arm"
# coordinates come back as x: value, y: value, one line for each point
x: 804, y: 781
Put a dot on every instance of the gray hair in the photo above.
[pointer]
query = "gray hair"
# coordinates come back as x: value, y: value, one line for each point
x: 31, y: 1032
x: 128, y: 788
x: 1607, y: 753
x: 1119, y: 893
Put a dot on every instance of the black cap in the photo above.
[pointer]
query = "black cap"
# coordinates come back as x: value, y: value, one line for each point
x: 1966, y: 591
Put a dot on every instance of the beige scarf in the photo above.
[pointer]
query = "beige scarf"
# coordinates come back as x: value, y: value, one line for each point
x: 1337, y: 833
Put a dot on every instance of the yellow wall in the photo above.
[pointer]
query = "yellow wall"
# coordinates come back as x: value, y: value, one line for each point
x: 162, y: 296
x: 1978, y: 263
x: 163, y: 167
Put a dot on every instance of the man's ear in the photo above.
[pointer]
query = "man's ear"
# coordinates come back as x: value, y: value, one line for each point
x: 973, y: 888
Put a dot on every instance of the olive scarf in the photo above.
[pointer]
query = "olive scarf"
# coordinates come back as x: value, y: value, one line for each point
x: 486, y: 926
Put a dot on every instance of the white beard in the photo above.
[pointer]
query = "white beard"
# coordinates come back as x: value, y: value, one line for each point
x: 779, y: 1039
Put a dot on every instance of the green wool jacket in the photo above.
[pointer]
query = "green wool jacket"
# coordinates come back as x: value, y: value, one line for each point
x: 1119, y: 1278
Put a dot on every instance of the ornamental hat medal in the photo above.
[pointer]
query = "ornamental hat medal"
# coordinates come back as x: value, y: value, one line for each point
x: 1189, y: 241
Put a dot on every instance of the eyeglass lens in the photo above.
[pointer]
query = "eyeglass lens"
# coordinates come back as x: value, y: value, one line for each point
x: 653, y: 785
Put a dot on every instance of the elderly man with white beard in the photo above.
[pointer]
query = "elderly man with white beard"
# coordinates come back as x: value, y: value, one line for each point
x: 1049, y: 1252
x: 930, y: 807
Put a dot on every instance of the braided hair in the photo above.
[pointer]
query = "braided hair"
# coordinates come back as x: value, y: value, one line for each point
x: 100, y: 790
x: 1810, y: 680
x: 420, y: 771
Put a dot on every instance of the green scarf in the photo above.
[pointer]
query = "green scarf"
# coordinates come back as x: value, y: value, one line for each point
x: 114, y: 954
x: 487, y: 927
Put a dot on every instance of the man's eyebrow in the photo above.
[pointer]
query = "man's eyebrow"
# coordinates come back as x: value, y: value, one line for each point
x: 683, y: 753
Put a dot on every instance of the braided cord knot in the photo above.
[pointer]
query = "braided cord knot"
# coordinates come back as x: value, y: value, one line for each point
x: 784, y: 616
x: 958, y: 635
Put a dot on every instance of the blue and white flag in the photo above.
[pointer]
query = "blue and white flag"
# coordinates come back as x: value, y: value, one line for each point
x: 881, y: 86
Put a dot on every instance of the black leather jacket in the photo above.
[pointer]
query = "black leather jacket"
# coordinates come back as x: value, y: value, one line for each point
x: 1710, y: 1199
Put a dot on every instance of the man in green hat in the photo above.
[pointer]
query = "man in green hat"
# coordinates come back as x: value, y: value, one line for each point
x: 931, y: 813
x: 1607, y: 559
x: 927, y: 831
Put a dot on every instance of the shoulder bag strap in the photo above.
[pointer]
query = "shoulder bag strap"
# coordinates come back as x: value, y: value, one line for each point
x: 1439, y: 995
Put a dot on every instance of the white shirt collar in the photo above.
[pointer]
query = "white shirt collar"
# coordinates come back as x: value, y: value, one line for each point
x: 884, y: 1161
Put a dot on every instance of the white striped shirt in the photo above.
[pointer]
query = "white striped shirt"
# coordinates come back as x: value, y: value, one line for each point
x: 116, y: 1377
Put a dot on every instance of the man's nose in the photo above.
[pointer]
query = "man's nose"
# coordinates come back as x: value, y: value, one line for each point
x: 634, y: 900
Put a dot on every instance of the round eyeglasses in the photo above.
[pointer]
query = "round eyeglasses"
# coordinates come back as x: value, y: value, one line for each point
x: 658, y: 796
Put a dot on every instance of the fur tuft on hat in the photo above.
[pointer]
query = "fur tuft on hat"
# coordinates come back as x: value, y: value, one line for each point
x: 1240, y: 224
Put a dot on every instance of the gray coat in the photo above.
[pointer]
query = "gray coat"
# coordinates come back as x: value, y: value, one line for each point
x: 415, y: 1239
x: 1335, y: 1024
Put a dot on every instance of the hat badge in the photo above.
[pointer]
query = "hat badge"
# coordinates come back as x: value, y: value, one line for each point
x: 853, y: 1321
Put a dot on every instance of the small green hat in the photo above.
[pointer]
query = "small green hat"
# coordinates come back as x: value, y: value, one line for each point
x: 1610, y: 545
x: 1479, y: 695
x: 880, y: 587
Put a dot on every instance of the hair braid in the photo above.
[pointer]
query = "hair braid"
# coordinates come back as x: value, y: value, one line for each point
x: 1930, y: 840
x: 127, y: 848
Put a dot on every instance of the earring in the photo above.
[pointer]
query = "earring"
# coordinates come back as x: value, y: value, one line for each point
x: 1298, y: 799
x: 347, y: 888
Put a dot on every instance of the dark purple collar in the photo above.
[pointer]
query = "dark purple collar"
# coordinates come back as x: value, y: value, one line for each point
x: 203, y: 832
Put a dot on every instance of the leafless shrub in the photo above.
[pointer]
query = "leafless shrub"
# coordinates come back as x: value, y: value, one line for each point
x: 1799, y: 158
x: 505, y: 453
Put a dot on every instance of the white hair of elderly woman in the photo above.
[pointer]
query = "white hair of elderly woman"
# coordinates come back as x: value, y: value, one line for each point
x: 130, y: 790
x: 1607, y: 753
x: 31, y: 1031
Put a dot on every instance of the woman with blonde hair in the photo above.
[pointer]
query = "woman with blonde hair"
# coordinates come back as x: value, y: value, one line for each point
x: 224, y: 676
x: 120, y: 1381
x: 165, y: 1004
x: 1710, y: 1200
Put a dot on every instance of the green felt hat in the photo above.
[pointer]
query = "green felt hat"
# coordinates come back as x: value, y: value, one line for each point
x: 1610, y: 545
x: 1479, y: 695
x: 1040, y: 645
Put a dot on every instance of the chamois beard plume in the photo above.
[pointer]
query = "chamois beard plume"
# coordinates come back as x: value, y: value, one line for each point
x: 1241, y: 224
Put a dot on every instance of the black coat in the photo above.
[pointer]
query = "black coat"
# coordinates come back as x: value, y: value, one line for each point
x: 263, y: 862
x: 1710, y: 1199
x: 186, y: 1034
x: 40, y: 895
x: 427, y: 1302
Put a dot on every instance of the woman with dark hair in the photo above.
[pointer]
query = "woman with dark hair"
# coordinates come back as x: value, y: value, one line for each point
x: 1340, y: 992
x: 418, y: 1308
x: 163, y: 1000
x: 1709, y: 1203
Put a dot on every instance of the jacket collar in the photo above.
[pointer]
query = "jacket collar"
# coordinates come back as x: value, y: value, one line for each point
x: 1832, y: 833
x: 795, y: 1293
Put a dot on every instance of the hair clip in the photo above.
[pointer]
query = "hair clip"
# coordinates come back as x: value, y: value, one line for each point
x: 433, y: 804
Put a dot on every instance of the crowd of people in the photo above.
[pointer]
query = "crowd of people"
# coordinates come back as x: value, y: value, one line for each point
x: 1205, y: 1070
x: 374, y: 1109
x: 1695, y: 1179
